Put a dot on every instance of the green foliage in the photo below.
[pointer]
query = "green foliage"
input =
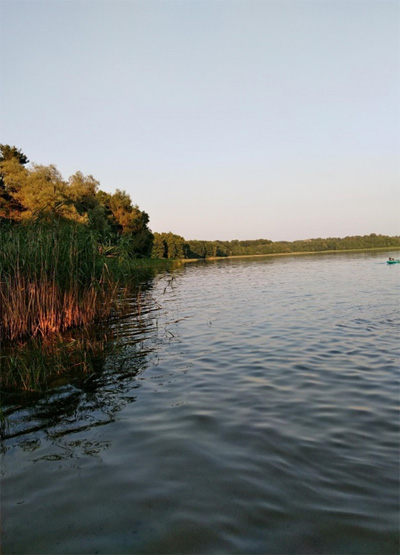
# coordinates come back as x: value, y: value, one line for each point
x: 12, y: 177
x: 136, y: 245
x: 39, y: 191
x: 169, y: 245
x: 159, y: 246
x: 82, y: 192
x: 51, y: 276
x: 8, y: 152
x: 66, y: 248
x: 120, y: 227
x: 199, y: 249
x: 54, y: 275
x: 217, y: 249
x: 12, y: 162
x: 33, y: 364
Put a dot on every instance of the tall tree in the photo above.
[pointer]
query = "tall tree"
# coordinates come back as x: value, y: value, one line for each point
x: 160, y: 249
x: 82, y: 192
x: 12, y: 175
x: 8, y: 152
x: 45, y: 192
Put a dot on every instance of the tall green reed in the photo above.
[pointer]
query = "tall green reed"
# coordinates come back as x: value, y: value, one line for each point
x: 56, y: 276
x: 52, y: 277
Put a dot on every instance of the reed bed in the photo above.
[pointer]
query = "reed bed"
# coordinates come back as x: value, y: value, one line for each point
x: 32, y: 365
x: 52, y: 277
x: 56, y: 278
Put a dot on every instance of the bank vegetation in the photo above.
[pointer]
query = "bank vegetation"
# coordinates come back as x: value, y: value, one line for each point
x: 67, y: 248
x: 169, y: 245
x: 69, y: 255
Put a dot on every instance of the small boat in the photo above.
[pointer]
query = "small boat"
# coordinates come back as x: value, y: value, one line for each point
x: 393, y: 261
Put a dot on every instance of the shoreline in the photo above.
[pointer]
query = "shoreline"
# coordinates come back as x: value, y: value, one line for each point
x: 395, y: 248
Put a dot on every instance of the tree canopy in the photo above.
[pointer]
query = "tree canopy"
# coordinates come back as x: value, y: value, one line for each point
x: 168, y: 245
x: 28, y: 193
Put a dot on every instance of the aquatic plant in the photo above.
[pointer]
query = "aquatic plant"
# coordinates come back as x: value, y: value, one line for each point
x: 32, y: 364
x: 51, y: 278
x: 54, y: 275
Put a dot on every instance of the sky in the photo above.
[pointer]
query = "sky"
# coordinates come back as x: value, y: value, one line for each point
x: 222, y: 119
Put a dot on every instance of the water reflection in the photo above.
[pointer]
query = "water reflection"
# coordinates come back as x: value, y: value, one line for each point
x: 90, y: 392
x: 266, y: 421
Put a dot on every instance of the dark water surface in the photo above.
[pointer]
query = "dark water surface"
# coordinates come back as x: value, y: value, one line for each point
x: 252, y: 409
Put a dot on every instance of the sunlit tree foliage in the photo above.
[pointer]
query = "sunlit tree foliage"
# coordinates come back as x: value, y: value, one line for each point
x: 27, y: 193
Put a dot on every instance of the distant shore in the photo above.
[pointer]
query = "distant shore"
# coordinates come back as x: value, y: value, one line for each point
x: 382, y: 249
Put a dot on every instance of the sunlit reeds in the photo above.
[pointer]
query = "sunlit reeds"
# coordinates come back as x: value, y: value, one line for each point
x: 55, y: 276
x: 52, y: 277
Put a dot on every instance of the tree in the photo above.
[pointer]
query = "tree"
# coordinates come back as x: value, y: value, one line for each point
x: 12, y: 174
x: 8, y: 152
x: 129, y: 217
x: 160, y: 248
x: 169, y: 245
x: 129, y: 221
x: 26, y: 193
x: 175, y: 245
x: 82, y: 192
x: 45, y: 192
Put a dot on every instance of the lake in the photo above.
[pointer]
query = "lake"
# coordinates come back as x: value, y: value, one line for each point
x: 252, y: 407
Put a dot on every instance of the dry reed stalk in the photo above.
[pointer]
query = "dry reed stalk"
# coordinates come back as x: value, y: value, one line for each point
x: 41, y: 308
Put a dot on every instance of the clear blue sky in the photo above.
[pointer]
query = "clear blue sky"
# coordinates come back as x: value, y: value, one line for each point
x: 222, y: 119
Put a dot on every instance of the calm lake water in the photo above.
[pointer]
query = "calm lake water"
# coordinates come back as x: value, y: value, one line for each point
x: 253, y: 408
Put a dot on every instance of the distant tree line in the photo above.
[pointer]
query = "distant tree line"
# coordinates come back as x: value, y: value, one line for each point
x: 169, y: 245
x: 40, y: 192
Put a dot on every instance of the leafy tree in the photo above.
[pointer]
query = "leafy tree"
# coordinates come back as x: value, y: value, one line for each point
x: 45, y: 192
x: 128, y: 220
x: 175, y: 245
x: 160, y: 248
x: 13, y: 176
x: 197, y: 249
x: 169, y: 245
x: 82, y: 192
x: 137, y: 244
x: 8, y: 152
x: 27, y: 193
x: 12, y: 173
x: 121, y: 206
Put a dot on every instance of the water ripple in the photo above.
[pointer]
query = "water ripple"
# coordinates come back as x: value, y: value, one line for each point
x: 253, y: 408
